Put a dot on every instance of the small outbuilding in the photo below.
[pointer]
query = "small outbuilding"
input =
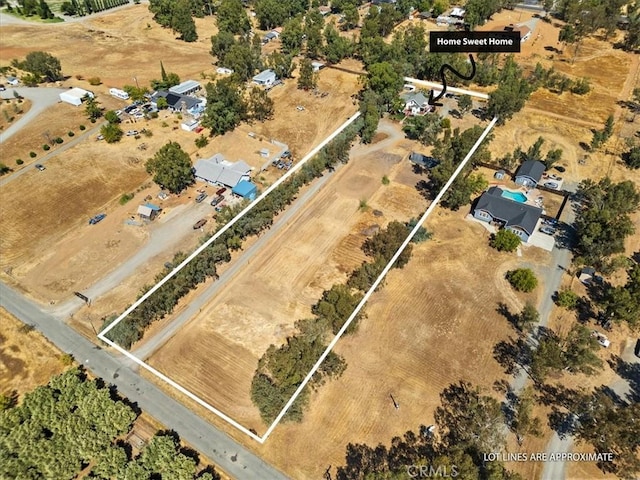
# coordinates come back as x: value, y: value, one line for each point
x: 148, y: 211
x: 74, y: 96
x: 245, y: 189
x: 317, y: 66
x: 499, y: 175
x: 529, y: 173
x: 265, y: 78
x: 188, y: 87
x: 586, y: 275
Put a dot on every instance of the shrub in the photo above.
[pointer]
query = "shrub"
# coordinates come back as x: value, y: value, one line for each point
x: 385, y: 180
x: 93, y: 120
x: 58, y: 140
x: 581, y: 87
x: 71, y: 134
x: 46, y: 147
x: 567, y: 298
x: 522, y: 279
x: 79, y: 77
x: 202, y: 141
x: 505, y: 241
x: 147, y: 133
x: 363, y: 204
x: 82, y: 127
x: 164, y: 124
x: 126, y: 197
x: 94, y: 81
x: 33, y: 154
x: 19, y: 161
x: 66, y: 359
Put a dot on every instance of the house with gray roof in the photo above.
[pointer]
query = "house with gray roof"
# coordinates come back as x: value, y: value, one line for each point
x: 218, y: 171
x: 530, y: 173
x: 177, y: 102
x: 265, y: 78
x: 415, y: 103
x: 422, y: 160
x: 517, y: 217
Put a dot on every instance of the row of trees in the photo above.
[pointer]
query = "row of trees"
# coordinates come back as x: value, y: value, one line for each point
x: 171, y: 163
x: 33, y: 7
x: 534, y: 152
x: 87, y: 7
x: 71, y: 423
x: 282, y: 369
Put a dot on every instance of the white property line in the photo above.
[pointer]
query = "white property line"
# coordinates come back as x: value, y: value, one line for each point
x: 378, y: 280
x: 180, y: 388
x: 438, y: 87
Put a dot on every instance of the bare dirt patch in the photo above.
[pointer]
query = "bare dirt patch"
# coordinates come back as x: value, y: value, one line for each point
x: 27, y: 359
x: 259, y: 306
x: 11, y: 110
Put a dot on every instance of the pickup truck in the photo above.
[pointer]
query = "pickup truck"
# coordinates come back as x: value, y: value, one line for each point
x: 98, y: 218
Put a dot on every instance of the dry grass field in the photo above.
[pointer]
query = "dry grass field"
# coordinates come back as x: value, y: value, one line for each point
x: 12, y: 109
x: 259, y: 306
x: 27, y: 359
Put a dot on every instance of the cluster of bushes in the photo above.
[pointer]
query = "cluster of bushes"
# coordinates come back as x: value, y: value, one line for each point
x: 558, y: 82
x: 282, y: 369
x: 163, y: 301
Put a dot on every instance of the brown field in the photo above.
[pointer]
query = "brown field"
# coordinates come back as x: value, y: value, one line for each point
x: 51, y: 230
x: 315, y: 250
x: 13, y: 109
x: 27, y: 359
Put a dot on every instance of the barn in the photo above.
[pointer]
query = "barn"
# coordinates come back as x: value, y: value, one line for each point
x: 74, y: 96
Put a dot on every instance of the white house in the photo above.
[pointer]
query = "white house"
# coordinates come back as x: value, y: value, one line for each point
x: 74, y: 96
x: 218, y: 171
x: 415, y: 103
x: 265, y: 78
x: 190, y: 125
x: 121, y: 94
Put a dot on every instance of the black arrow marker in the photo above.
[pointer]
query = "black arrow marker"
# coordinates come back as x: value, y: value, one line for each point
x: 446, y: 66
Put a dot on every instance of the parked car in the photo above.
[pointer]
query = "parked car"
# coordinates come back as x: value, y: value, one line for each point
x: 201, y: 197
x: 560, y: 168
x: 551, y: 221
x: 100, y: 137
x: 552, y: 185
x: 300, y: 108
x: 602, y: 339
x: 217, y: 200
x: 40, y: 167
x: 199, y: 224
x: 97, y: 219
x: 221, y: 191
x: 285, y: 154
x: 130, y: 133
x: 548, y: 230
x: 2, y: 88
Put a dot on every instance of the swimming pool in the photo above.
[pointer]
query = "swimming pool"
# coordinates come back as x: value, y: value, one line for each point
x: 515, y: 196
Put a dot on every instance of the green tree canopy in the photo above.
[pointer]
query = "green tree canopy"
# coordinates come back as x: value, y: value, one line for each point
x: 171, y: 168
x: 225, y: 108
x: 505, y: 241
x: 522, y: 279
x: 42, y: 64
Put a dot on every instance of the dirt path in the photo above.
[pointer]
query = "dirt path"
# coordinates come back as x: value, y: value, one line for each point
x: 577, y: 121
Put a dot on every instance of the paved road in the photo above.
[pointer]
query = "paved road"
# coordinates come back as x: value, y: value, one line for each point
x: 41, y: 99
x: 211, y: 442
x: 160, y: 338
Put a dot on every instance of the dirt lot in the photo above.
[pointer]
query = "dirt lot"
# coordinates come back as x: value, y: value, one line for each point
x: 27, y: 359
x: 235, y: 329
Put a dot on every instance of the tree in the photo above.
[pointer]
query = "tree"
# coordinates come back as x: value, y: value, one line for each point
x: 112, y: 117
x: 307, y: 78
x: 468, y: 419
x: 622, y: 303
x: 182, y: 21
x: 524, y: 423
x: 370, y: 115
x: 111, y: 132
x: 281, y: 64
x: 553, y: 157
x: 580, y: 349
x: 137, y: 94
x: 384, y: 80
x: 225, y: 106
x: 260, y: 105
x: 547, y: 357
x: 42, y: 64
x: 464, y: 103
x: 522, y: 279
x: 171, y: 168
x: 425, y: 128
x: 512, y: 93
x: 632, y: 37
x: 632, y: 158
x: 336, y: 47
x: 505, y: 241
x: 292, y: 36
x: 232, y: 17
x: 567, y: 298
x: 336, y: 305
x: 92, y: 109
x: 351, y: 17
x: 527, y: 318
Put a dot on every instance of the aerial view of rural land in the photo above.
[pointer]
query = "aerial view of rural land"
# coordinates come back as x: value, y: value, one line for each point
x: 319, y: 239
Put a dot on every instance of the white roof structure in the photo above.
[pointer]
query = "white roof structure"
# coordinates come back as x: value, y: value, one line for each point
x: 145, y: 211
x: 185, y: 87
x: 457, y: 12
x: 266, y: 76
x: 218, y: 170
x: 74, y: 96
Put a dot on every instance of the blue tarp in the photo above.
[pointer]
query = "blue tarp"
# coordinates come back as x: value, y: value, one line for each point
x: 153, y: 207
